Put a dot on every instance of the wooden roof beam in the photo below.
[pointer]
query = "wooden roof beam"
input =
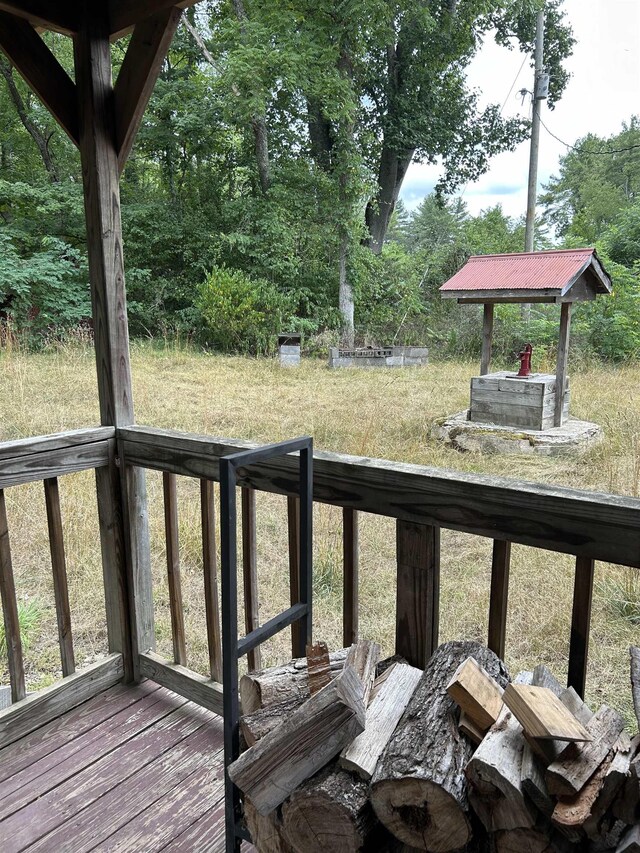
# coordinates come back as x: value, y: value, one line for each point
x: 41, y: 70
x: 125, y: 14
x: 61, y: 16
x: 140, y: 70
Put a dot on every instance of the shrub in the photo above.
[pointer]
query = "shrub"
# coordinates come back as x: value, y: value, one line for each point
x: 240, y: 314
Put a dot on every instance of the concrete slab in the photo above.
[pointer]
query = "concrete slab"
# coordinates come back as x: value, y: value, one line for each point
x: 573, y: 436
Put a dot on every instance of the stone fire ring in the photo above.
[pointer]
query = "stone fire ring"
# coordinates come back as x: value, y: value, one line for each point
x: 573, y: 436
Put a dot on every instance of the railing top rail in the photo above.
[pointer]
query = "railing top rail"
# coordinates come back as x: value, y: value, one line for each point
x: 555, y: 518
x: 55, y: 441
x: 43, y: 457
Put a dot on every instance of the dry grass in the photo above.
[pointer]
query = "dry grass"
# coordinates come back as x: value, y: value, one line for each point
x: 373, y: 413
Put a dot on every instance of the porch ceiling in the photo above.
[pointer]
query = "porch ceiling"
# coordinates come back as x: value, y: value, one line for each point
x: 65, y: 16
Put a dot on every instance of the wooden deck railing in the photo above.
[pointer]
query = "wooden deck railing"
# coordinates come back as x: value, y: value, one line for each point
x: 423, y: 500
x: 46, y: 459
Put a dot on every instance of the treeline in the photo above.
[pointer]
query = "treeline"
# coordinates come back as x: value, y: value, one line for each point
x: 262, y: 191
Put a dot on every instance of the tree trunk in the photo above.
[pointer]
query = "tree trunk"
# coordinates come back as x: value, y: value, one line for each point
x: 391, y: 174
x: 266, y: 830
x: 419, y: 790
x: 345, y: 298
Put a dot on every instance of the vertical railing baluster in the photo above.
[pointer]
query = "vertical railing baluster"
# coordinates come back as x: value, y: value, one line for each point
x: 418, y: 591
x: 499, y: 596
x: 250, y: 573
x: 210, y: 563
x: 580, y: 624
x: 13, y: 641
x: 169, y: 487
x: 298, y: 640
x: 350, y: 566
x: 59, y: 568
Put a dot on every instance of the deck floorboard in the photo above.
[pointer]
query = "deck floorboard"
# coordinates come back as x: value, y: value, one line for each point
x: 136, y: 768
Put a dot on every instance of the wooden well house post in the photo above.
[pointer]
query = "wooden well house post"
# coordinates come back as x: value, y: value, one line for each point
x: 562, y: 276
x: 102, y: 118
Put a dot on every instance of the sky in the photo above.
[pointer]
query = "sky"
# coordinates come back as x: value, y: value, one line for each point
x: 604, y: 91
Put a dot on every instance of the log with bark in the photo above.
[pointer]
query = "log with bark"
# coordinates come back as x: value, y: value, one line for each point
x: 419, y: 789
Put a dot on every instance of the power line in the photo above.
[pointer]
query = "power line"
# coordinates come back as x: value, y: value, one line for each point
x: 582, y: 151
x: 513, y: 85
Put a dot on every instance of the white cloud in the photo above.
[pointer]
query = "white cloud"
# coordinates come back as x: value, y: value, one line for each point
x: 603, y: 92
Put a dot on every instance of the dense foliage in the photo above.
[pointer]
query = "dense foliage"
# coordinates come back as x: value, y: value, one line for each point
x: 262, y: 191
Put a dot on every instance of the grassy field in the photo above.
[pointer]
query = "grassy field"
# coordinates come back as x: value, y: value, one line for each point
x: 372, y: 413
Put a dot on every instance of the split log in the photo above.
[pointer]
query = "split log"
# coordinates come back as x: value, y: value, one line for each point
x: 574, y: 811
x: 318, y: 667
x: 495, y: 772
x: 383, y: 715
x: 331, y: 811
x: 363, y: 657
x: 267, y: 832
x: 272, y: 769
x: 626, y: 806
x: 533, y: 783
x: 576, y: 705
x: 522, y: 841
x: 282, y: 683
x: 419, y: 790
x: 476, y: 693
x: 614, y: 779
x: 542, y: 715
x: 634, y: 651
x: 572, y: 771
x: 469, y: 728
x: 630, y: 842
x: 255, y: 726
x: 549, y: 751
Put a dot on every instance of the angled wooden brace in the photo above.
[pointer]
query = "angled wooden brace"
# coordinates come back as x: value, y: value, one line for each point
x: 61, y: 15
x: 42, y: 72
x: 140, y: 70
x: 126, y: 14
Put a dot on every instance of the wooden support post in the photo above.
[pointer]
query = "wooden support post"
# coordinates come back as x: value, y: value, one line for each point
x: 580, y: 624
x: 562, y: 361
x: 499, y: 596
x: 169, y: 485
x: 250, y: 573
x: 59, y: 568
x: 418, y: 591
x: 97, y: 135
x: 487, y: 335
x: 298, y: 639
x: 350, y: 548
x: 13, y: 641
x: 210, y: 565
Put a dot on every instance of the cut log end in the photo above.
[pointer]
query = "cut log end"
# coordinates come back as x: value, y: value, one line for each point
x: 320, y: 823
x: 421, y: 814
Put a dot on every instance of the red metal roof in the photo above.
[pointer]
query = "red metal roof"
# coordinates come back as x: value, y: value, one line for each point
x: 528, y: 271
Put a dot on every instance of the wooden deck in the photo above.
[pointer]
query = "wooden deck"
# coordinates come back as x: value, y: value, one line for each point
x: 136, y: 768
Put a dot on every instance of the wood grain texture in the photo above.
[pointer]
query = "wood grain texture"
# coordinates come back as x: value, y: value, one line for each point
x: 28, y: 447
x: 604, y: 527
x: 495, y: 773
x: 562, y: 362
x: 47, y: 704
x: 250, y: 572
x: 59, y: 568
x: 487, y: 336
x: 210, y: 567
x: 568, y: 775
x: 138, y: 550
x: 318, y: 667
x: 183, y: 681
x: 383, y: 715
x: 41, y: 71
x: 52, y: 463
x: 499, y: 597
x: 314, y: 733
x: 417, y: 591
x: 176, y: 609
x: 581, y: 624
x: 476, y: 693
x: 363, y: 658
x: 61, y: 16
x: 114, y: 564
x: 542, y: 714
x: 138, y: 74
x: 13, y: 639
x: 419, y: 790
x: 350, y: 576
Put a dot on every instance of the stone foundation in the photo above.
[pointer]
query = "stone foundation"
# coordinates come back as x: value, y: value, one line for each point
x: 380, y: 357
x: 460, y: 433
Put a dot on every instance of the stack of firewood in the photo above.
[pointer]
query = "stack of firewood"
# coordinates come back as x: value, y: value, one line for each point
x: 347, y: 753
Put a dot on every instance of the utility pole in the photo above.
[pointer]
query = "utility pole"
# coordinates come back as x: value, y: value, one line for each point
x: 540, y: 91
